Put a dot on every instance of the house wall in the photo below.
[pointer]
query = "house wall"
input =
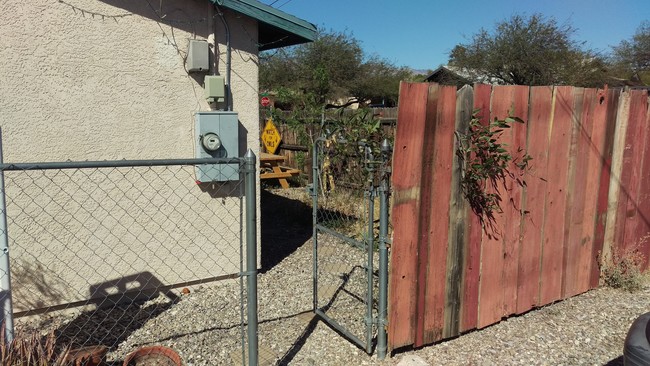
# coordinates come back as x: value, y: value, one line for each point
x: 105, y: 80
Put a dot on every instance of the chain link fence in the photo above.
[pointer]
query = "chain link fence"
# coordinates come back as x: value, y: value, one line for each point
x: 110, y: 257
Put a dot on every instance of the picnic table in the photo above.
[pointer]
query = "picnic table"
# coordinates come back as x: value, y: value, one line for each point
x: 271, y: 168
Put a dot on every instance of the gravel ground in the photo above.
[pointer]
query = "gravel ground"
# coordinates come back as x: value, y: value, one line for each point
x: 203, y: 326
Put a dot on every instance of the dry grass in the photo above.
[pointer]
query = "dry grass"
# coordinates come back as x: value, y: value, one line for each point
x: 623, y: 269
x: 32, y: 349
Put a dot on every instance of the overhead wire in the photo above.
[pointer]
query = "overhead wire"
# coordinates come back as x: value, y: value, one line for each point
x: 285, y: 3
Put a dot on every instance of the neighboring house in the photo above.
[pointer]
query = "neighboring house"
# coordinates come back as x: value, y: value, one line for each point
x: 451, y: 75
x: 108, y: 79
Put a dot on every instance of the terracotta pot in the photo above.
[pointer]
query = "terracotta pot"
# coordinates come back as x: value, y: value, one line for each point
x: 154, y: 355
x: 87, y: 356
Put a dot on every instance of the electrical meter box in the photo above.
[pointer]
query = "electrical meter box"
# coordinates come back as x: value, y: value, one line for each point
x: 217, y: 136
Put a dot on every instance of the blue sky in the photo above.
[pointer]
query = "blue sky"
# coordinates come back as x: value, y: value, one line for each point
x: 420, y: 33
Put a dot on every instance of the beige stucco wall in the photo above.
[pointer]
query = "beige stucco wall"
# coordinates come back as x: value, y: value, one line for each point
x: 104, y: 80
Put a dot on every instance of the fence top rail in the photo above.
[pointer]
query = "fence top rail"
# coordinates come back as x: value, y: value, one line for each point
x: 117, y: 163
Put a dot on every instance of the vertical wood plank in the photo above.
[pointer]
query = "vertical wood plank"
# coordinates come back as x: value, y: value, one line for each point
x: 577, y: 250
x: 553, y: 249
x: 575, y: 192
x: 614, y: 226
x: 528, y: 280
x: 406, y: 179
x: 458, y: 226
x: 426, y: 233
x: 472, y: 270
x: 643, y: 228
x: 443, y: 151
x: 512, y: 202
x: 610, y: 99
x: 493, y: 252
x: 635, y: 146
x: 594, y: 112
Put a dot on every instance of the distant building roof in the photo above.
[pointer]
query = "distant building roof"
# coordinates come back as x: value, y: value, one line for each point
x: 451, y: 75
x: 276, y: 28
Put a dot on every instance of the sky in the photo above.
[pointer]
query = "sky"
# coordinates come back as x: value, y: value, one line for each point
x: 420, y: 33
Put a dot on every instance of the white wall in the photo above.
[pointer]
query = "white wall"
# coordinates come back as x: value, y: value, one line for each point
x: 104, y: 80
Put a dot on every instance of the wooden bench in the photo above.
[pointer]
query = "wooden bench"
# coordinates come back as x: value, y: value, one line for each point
x: 271, y: 169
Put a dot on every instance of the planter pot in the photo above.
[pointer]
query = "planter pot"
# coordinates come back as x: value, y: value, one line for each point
x: 87, y: 356
x: 153, y: 356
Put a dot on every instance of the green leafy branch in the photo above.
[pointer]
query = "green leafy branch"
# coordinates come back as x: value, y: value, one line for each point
x: 486, y: 163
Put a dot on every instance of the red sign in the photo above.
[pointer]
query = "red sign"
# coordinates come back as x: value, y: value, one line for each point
x: 265, y: 101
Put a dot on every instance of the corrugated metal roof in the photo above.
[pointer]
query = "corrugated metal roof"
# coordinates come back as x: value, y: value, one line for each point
x: 276, y: 28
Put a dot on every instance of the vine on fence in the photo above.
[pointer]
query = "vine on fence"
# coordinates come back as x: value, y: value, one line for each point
x: 486, y: 163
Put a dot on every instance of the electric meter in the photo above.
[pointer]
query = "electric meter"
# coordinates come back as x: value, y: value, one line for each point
x: 211, y: 142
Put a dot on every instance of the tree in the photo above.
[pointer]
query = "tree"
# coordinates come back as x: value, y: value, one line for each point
x: 331, y: 68
x: 529, y: 51
x: 631, y: 58
x: 378, y: 81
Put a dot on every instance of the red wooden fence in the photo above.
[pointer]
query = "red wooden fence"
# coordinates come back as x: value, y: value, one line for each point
x: 586, y: 193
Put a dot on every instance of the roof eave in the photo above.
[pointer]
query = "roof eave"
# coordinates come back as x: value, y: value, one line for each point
x: 277, y: 28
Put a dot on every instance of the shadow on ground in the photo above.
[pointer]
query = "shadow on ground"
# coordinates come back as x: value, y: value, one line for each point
x: 286, y: 225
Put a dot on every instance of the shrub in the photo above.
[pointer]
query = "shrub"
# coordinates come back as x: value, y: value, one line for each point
x: 623, y: 269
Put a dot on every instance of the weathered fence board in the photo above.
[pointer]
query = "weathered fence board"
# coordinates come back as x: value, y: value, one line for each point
x: 492, y: 257
x: 585, y: 192
x: 558, y: 164
x: 528, y: 281
x: 642, y: 233
x: 438, y: 221
x: 512, y: 203
x: 592, y: 144
x: 609, y: 99
x: 425, y: 306
x: 635, y: 148
x: 576, y: 193
x: 459, y: 228
x: 482, y: 96
x: 406, y: 180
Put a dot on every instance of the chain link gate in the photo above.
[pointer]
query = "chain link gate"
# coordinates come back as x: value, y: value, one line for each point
x: 350, y: 192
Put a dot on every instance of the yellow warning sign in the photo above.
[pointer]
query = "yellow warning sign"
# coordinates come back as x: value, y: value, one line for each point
x: 271, y: 137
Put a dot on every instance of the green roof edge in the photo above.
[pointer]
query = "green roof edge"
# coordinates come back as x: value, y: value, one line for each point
x: 301, y: 28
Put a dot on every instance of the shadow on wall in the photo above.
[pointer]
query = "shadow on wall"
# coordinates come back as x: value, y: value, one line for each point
x: 178, y: 14
x: 35, y: 287
x: 121, y: 309
x: 189, y: 16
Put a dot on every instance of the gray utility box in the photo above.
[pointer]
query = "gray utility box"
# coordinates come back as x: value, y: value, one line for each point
x: 217, y: 136
x: 198, y: 59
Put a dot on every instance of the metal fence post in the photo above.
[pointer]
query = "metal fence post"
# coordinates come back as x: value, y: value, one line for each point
x: 5, y: 270
x: 384, y: 191
x: 369, y: 270
x: 314, y: 194
x: 251, y: 255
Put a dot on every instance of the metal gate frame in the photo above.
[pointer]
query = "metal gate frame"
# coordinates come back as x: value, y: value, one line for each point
x: 378, y: 186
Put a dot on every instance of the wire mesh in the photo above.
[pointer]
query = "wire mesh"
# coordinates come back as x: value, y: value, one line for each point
x: 125, y: 257
x: 346, y: 287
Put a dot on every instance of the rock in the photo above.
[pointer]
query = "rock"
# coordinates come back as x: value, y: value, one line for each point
x: 412, y: 360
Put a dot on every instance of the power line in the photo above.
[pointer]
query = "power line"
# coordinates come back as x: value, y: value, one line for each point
x: 285, y: 3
